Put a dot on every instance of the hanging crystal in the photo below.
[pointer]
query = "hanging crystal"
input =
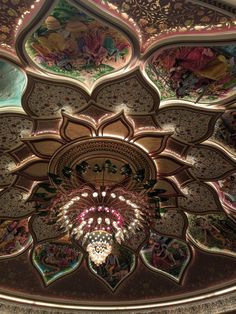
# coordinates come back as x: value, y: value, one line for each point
x: 99, y: 246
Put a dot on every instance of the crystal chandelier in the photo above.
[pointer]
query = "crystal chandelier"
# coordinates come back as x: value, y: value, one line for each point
x: 99, y: 246
x: 100, y: 213
x: 97, y: 218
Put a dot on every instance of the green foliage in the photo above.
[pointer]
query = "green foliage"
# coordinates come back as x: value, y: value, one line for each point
x: 47, y: 187
x: 126, y: 170
x: 82, y: 167
x: 140, y: 175
x: 67, y: 172
x: 97, y: 168
x: 65, y: 12
x: 55, y: 178
x: 109, y: 166
x: 149, y: 184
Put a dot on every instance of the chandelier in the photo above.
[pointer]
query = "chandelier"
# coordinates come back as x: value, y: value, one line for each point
x: 99, y: 246
x: 97, y: 218
x: 98, y: 215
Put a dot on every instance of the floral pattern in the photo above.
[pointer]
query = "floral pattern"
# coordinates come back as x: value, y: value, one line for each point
x: 127, y: 95
x: 12, y: 129
x: 80, y: 139
x: 7, y: 163
x: 206, y: 160
x: 182, y: 122
x: 199, y: 197
x: 47, y: 100
x: 74, y: 44
x: 14, y: 203
x: 10, y: 13
x: 152, y: 20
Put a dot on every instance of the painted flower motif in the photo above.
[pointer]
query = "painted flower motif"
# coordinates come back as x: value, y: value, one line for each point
x: 76, y: 45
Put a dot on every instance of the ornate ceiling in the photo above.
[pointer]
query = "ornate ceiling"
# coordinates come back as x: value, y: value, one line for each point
x: 117, y: 132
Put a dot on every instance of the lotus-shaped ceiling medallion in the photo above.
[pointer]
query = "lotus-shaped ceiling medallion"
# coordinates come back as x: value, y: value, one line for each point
x: 113, y: 162
x: 104, y: 189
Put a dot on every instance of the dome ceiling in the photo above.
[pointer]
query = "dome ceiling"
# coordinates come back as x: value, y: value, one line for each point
x: 118, y: 152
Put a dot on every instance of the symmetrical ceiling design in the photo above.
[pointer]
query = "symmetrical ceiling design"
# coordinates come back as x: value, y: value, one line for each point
x: 118, y: 156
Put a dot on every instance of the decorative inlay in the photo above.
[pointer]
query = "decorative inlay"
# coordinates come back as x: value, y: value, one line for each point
x: 48, y: 99
x: 136, y: 240
x: 209, y: 164
x: 171, y: 223
x: 44, y: 227
x: 152, y: 20
x: 128, y: 95
x: 13, y: 203
x: 10, y: 14
x: 199, y: 197
x: 95, y: 169
x: 185, y: 123
x: 7, y: 163
x: 12, y: 127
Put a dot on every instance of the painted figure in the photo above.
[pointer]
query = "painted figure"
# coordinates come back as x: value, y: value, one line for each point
x: 166, y: 255
x: 14, y: 236
x: 72, y: 43
x: 215, y: 232
x: 117, y: 266
x: 196, y: 71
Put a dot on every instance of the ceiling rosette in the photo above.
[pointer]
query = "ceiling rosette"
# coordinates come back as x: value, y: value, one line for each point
x: 117, y: 153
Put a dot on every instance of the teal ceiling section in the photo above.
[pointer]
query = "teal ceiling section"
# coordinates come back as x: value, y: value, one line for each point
x: 12, y: 85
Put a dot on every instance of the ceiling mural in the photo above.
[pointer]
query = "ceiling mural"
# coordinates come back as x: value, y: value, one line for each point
x: 118, y: 160
x: 15, y: 237
x: 214, y: 232
x: 200, y: 74
x: 55, y: 259
x: 166, y: 255
x: 74, y: 44
x: 13, y: 82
